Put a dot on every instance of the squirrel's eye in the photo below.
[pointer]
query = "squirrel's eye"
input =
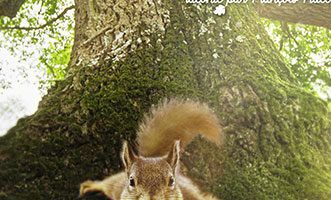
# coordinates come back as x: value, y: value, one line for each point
x: 131, y: 182
x: 171, y: 181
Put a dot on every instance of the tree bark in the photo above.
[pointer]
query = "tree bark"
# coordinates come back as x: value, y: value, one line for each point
x: 127, y: 56
x: 10, y: 8
x: 304, y: 13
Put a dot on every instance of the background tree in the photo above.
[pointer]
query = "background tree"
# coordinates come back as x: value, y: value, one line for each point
x: 129, y: 55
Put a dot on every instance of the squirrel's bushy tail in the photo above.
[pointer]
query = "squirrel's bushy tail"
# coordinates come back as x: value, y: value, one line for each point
x: 176, y: 120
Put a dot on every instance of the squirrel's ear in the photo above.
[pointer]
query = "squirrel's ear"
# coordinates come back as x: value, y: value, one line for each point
x: 128, y: 156
x: 174, y: 155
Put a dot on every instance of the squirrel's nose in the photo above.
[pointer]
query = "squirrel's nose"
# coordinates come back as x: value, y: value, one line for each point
x: 152, y: 195
x: 156, y: 195
x: 155, y: 198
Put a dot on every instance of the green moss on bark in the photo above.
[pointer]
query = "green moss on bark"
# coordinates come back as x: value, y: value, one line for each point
x: 277, y: 134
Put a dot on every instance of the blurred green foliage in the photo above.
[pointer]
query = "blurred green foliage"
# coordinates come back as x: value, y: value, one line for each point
x: 307, y: 49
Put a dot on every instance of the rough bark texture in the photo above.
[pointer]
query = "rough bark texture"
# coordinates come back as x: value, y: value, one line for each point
x: 278, y: 141
x: 304, y: 13
x: 10, y: 8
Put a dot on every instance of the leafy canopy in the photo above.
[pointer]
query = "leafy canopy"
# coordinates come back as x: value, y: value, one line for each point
x: 307, y: 50
x: 42, y: 29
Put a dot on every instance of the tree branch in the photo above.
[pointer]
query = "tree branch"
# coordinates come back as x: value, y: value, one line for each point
x: 304, y: 13
x: 41, y: 26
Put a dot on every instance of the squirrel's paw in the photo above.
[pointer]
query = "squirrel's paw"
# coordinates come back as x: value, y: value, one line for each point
x: 89, y: 187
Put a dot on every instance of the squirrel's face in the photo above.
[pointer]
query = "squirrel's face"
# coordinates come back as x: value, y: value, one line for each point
x: 151, y: 178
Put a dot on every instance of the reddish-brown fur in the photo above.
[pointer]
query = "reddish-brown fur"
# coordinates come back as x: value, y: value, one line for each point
x: 176, y: 120
x: 158, y: 160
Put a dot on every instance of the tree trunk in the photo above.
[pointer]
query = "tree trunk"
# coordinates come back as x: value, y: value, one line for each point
x: 128, y: 55
x: 10, y: 8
